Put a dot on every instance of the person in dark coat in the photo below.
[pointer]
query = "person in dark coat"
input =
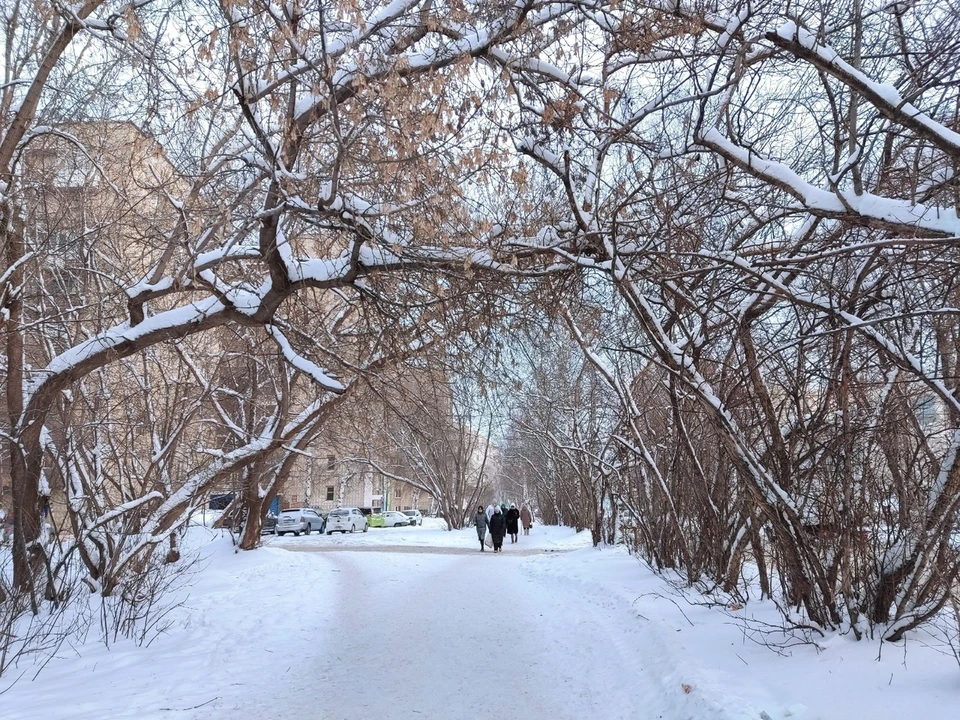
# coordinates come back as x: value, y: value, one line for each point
x: 498, y: 526
x: 513, y: 520
x: 480, y: 519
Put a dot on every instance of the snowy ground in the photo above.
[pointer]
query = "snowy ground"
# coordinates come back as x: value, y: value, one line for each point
x: 416, y: 622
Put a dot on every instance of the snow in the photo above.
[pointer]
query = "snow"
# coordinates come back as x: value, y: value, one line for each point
x: 319, y: 270
x: 883, y: 93
x: 145, y: 286
x: 531, y: 147
x: 177, y: 317
x: 423, y: 620
x: 734, y: 23
x: 709, y: 647
x: 242, y: 297
x: 940, y: 220
x: 311, y: 369
x: 540, y: 67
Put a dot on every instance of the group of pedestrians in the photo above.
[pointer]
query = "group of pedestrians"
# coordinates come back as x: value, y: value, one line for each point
x: 501, y: 521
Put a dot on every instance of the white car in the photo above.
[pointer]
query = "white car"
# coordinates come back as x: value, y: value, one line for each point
x: 392, y: 518
x: 414, y: 517
x: 346, y: 520
x: 298, y: 520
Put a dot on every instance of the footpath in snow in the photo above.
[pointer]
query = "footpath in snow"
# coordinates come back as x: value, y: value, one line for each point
x: 416, y: 622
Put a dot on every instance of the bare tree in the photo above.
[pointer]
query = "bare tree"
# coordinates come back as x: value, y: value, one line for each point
x: 304, y: 181
x: 561, y: 439
x: 434, y: 434
x: 778, y: 229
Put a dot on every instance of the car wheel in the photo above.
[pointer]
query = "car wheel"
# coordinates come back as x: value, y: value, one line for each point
x: 365, y: 527
x: 280, y: 534
x: 353, y: 529
x: 329, y: 532
x: 296, y: 533
x: 307, y: 529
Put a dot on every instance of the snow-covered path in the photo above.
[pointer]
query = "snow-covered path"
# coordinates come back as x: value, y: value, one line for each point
x: 452, y: 636
x: 418, y: 623
x: 420, y: 631
x: 417, y: 632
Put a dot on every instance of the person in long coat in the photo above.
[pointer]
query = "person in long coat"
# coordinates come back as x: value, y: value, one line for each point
x: 526, y: 519
x: 513, y: 518
x: 480, y: 519
x: 489, y: 512
x: 498, y: 526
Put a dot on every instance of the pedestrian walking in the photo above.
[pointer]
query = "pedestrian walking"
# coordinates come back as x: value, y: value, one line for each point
x: 489, y: 512
x: 498, y: 526
x: 513, y: 520
x: 526, y: 519
x: 481, y: 521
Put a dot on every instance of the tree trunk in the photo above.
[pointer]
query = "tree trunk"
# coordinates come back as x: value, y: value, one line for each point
x: 24, y: 468
x: 255, y: 510
x: 756, y: 542
x: 253, y: 506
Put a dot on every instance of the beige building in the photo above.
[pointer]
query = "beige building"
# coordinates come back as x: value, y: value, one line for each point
x: 326, y: 481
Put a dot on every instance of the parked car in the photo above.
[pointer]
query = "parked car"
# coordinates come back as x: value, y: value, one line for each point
x: 392, y: 518
x: 269, y: 523
x: 346, y: 520
x: 414, y: 517
x: 299, y: 520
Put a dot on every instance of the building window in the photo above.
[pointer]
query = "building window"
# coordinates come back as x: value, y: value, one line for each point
x: 331, y: 462
x: 399, y: 494
x: 329, y: 492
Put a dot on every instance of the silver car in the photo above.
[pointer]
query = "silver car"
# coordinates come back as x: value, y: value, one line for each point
x: 414, y: 517
x: 299, y: 520
x: 346, y: 520
x: 392, y: 518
